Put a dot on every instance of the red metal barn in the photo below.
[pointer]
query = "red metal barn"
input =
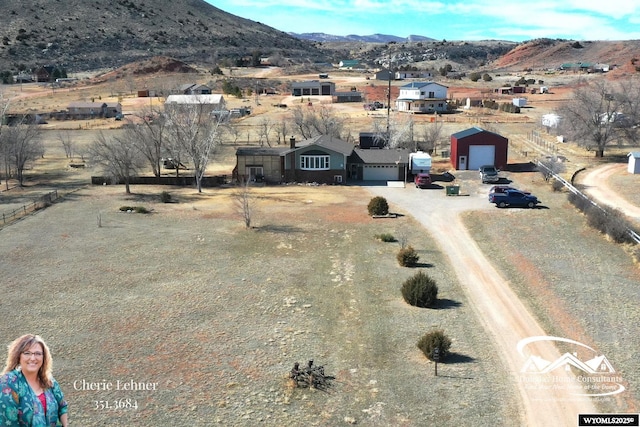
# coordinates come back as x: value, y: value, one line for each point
x: 475, y: 147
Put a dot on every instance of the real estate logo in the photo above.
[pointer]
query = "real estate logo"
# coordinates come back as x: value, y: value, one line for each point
x: 582, y: 371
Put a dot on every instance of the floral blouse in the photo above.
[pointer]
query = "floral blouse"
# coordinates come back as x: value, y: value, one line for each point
x: 19, y: 405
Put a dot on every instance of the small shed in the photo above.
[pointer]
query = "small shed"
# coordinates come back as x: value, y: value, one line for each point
x: 519, y: 102
x: 634, y: 162
x: 475, y: 147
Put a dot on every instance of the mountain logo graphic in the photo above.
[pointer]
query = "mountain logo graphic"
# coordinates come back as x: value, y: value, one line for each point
x: 596, y: 364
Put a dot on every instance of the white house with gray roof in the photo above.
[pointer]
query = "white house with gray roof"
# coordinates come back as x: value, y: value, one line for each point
x: 422, y: 97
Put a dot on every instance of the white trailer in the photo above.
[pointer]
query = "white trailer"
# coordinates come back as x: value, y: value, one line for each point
x: 419, y: 162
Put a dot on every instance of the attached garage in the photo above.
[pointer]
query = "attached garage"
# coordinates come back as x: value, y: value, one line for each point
x: 475, y: 147
x: 381, y: 173
x: 378, y: 164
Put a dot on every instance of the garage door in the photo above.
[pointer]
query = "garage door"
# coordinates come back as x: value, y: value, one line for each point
x: 480, y: 155
x: 380, y: 173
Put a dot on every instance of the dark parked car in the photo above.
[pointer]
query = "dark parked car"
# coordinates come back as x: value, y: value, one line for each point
x: 422, y: 180
x: 513, y: 198
x: 489, y: 173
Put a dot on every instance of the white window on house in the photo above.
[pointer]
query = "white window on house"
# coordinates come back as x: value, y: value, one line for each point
x: 255, y: 173
x: 432, y: 94
x: 314, y: 162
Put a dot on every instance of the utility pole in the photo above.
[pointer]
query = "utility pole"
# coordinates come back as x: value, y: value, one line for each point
x: 389, y: 104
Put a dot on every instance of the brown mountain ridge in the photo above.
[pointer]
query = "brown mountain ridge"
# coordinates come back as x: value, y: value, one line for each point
x: 85, y: 35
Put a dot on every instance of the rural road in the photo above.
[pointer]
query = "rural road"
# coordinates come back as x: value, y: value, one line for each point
x: 498, y: 308
x: 595, y: 183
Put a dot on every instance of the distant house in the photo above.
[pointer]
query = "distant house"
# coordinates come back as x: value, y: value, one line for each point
x: 313, y: 87
x: 385, y: 75
x: 210, y: 103
x: 400, y: 75
x: 45, y: 73
x: 577, y: 66
x: 86, y: 110
x: 422, y: 97
x: 351, y: 96
x: 194, y: 89
x: 349, y: 64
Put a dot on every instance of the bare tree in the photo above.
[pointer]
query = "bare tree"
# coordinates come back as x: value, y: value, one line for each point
x: 244, y: 202
x: 195, y: 132
x: 314, y: 121
x: 150, y: 135
x: 598, y: 115
x: 232, y: 131
x: 264, y: 130
x: 430, y: 135
x: 400, y: 132
x: 4, y: 106
x: 282, y: 130
x: 23, y: 145
x: 67, y: 143
x: 117, y: 157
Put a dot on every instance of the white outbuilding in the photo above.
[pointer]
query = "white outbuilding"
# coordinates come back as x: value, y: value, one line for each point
x: 634, y: 162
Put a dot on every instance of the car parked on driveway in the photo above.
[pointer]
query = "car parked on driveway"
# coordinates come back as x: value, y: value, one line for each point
x: 514, y: 198
x: 489, y: 173
x: 422, y: 180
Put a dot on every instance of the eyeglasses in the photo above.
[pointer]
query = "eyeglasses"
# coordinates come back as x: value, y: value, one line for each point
x: 34, y: 353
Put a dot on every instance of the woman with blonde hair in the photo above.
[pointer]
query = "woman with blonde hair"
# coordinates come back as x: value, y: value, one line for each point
x: 29, y: 395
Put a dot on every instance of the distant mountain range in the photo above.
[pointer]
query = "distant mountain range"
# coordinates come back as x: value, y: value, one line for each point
x: 373, y: 38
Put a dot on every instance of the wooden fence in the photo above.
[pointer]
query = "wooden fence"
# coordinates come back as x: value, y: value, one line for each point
x: 635, y: 236
x: 39, y: 203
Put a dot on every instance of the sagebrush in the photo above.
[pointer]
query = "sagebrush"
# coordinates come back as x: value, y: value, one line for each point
x: 432, y: 340
x: 408, y: 257
x: 420, y: 290
x: 378, y: 206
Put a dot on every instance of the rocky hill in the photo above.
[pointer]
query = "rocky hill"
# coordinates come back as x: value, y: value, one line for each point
x: 551, y: 53
x: 85, y: 35
x: 93, y: 34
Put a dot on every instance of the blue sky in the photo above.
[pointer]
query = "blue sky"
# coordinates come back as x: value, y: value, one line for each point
x: 514, y: 20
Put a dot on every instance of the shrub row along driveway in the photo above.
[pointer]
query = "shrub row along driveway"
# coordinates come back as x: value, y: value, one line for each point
x: 496, y: 305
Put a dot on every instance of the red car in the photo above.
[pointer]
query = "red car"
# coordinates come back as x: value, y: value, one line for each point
x: 422, y: 180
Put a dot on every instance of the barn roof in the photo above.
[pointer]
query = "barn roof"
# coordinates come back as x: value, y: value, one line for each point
x: 472, y: 131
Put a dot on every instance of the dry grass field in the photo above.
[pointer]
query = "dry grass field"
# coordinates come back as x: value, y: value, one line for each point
x: 216, y: 315
x: 212, y: 315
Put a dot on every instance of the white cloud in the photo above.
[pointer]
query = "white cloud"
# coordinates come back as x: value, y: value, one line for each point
x: 453, y: 19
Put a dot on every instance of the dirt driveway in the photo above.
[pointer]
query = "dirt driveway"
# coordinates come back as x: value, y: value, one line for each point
x: 496, y: 305
x: 595, y: 182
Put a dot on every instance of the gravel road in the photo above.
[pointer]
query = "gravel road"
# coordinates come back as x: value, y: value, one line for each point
x: 595, y: 182
x: 496, y: 305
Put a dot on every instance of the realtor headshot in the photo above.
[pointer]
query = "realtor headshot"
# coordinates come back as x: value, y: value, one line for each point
x: 30, y: 395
